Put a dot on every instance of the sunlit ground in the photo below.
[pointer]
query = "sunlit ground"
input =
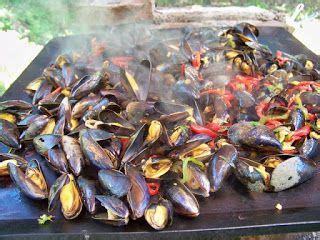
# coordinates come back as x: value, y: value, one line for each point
x: 16, y: 54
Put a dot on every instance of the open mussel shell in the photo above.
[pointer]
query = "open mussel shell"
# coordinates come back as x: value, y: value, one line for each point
x: 138, y: 196
x: 192, y: 144
x: 155, y: 167
x: 258, y: 137
x: 291, y: 172
x: 15, y: 106
x: 220, y: 166
x: 43, y: 143
x: 6, y: 158
x: 137, y: 110
x: 54, y: 76
x: 31, y: 182
x: 159, y: 214
x: 92, y: 113
x: 9, y: 134
x: 136, y: 80
x: 71, y: 204
x: 44, y: 89
x: 177, y: 135
x: 27, y: 120
x: 172, y: 112
x: 73, y: 152
x: 117, y: 212
x: 85, y: 85
x: 115, y: 182
x: 275, y: 172
x: 115, y: 123
x: 9, y: 117
x: 82, y: 105
x: 98, y: 156
x: 66, y: 190
x: 88, y: 193
x: 184, y: 202
x: 100, y: 135
x: 35, y: 128
x: 135, y: 146
x: 252, y: 174
x: 198, y: 182
x: 34, y: 85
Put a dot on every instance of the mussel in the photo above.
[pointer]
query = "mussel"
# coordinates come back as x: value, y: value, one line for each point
x: 184, y: 202
x: 138, y: 196
x: 259, y: 137
x: 66, y: 190
x: 114, y: 182
x: 88, y: 193
x: 159, y: 214
x: 275, y: 173
x: 31, y: 181
x: 117, y: 213
x: 220, y: 166
x: 9, y: 134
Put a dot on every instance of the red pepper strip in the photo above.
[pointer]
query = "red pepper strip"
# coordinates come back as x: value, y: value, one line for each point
x: 211, y: 144
x: 227, y: 102
x: 218, y: 91
x: 291, y: 102
x: 290, y: 151
x: 308, y: 83
x: 293, y: 139
x: 121, y: 61
x: 233, y: 85
x: 183, y: 70
x: 153, y: 188
x: 306, y: 88
x: 124, y: 142
x: 302, y: 132
x: 281, y: 60
x: 199, y: 129
x: 47, y: 97
x: 196, y: 60
x: 249, y: 82
x: 271, y: 124
x: 200, y: 77
x: 214, y: 126
x: 312, y: 117
x: 260, y: 108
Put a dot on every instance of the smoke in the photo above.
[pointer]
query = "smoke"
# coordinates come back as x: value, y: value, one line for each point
x: 127, y: 29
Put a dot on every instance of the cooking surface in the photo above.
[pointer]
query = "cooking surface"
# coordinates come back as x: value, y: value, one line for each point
x: 231, y: 208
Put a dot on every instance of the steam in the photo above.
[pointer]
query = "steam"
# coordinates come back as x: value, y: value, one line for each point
x: 125, y: 34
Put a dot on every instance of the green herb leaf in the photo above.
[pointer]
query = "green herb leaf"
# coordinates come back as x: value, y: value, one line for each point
x: 44, y: 218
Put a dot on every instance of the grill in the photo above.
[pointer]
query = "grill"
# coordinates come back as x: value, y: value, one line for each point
x: 231, y: 211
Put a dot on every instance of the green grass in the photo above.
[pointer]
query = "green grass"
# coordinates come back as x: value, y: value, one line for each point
x: 40, y: 20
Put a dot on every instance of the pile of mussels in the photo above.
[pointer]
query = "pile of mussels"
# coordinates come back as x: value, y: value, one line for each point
x: 164, y: 124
